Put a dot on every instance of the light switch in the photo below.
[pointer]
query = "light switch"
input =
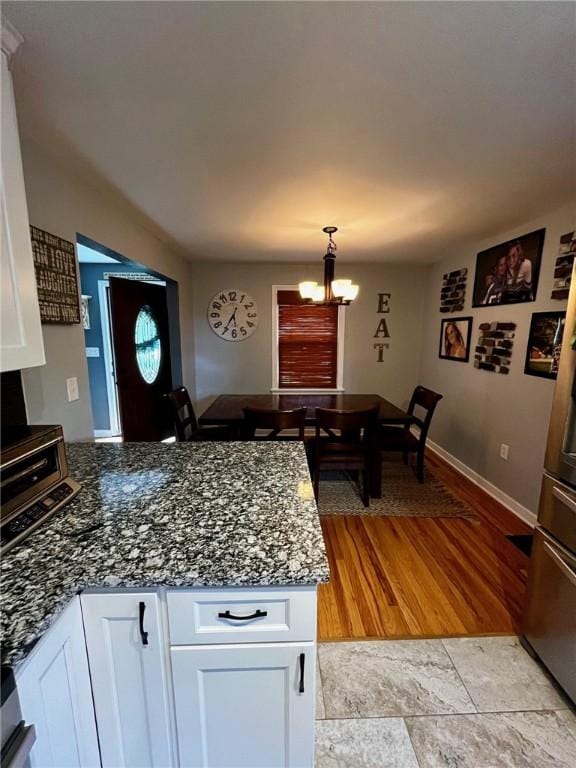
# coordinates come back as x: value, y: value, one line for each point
x: 72, y: 388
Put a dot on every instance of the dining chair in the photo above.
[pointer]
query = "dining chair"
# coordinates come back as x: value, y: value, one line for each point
x: 344, y: 440
x: 274, y: 422
x: 184, y: 419
x: 402, y: 439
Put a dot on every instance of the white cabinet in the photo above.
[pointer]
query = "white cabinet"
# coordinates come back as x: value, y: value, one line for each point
x: 127, y: 655
x: 54, y: 691
x: 123, y: 680
x: 245, y: 706
x: 244, y: 676
x: 21, y: 342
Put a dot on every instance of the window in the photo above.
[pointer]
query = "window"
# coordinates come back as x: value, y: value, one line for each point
x: 148, y: 345
x: 307, y: 343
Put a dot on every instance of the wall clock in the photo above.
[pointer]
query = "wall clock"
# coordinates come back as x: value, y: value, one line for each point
x: 232, y: 315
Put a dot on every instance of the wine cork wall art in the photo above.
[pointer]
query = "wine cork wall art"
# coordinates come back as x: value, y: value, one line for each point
x: 453, y: 291
x: 494, y: 349
x: 563, y: 266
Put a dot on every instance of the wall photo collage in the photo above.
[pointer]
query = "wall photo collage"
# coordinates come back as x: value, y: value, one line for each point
x: 507, y: 274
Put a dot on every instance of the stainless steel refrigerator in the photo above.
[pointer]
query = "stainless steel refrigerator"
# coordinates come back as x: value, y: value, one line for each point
x: 549, y: 623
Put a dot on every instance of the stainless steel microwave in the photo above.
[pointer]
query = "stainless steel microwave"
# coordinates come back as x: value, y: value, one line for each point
x: 34, y: 481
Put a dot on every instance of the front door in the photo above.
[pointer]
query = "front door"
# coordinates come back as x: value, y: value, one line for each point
x: 141, y: 342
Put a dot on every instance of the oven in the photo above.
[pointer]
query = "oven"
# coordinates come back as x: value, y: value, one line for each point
x: 34, y: 481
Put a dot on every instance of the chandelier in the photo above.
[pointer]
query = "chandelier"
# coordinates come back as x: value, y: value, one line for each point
x: 332, y: 291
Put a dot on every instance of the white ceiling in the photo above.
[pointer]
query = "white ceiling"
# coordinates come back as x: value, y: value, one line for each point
x: 241, y: 129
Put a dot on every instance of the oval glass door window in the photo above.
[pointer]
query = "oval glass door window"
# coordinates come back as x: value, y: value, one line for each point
x: 148, y: 345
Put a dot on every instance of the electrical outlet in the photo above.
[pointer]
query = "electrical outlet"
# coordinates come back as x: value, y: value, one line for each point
x: 504, y: 450
x: 72, y: 389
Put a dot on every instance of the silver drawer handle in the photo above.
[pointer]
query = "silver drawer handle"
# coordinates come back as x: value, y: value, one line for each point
x: 562, y: 564
x: 563, y: 498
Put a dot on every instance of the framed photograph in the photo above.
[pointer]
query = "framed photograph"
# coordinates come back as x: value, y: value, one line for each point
x: 544, y: 344
x: 455, y: 336
x: 508, y: 273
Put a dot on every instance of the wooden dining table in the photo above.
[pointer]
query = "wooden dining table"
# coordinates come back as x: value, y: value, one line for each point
x: 227, y: 410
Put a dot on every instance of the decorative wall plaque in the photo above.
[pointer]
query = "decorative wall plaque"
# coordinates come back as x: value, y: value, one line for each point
x: 382, y: 331
x: 494, y: 349
x: 563, y: 266
x: 453, y: 291
x: 56, y: 278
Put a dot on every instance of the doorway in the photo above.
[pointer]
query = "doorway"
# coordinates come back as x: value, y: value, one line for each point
x: 99, y: 267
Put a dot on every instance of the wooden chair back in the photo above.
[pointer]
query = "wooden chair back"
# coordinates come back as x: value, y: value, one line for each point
x: 182, y: 413
x: 273, y: 420
x: 353, y: 426
x: 426, y: 400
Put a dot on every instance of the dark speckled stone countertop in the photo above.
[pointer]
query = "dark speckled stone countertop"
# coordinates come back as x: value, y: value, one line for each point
x: 196, y: 514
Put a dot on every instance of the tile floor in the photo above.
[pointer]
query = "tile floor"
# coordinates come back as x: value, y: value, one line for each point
x: 454, y: 703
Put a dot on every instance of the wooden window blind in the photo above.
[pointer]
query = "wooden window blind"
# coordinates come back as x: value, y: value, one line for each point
x: 307, y: 343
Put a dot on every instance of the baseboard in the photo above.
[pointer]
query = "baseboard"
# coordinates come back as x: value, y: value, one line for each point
x: 507, y: 501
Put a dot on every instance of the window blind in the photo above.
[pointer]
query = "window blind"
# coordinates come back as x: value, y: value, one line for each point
x: 307, y: 343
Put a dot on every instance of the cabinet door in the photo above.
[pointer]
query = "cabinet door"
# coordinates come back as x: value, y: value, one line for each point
x: 21, y: 342
x: 129, y: 680
x: 54, y: 691
x: 243, y: 706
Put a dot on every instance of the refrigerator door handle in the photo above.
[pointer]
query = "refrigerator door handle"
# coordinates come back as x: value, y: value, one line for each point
x: 560, y: 562
x: 564, y: 498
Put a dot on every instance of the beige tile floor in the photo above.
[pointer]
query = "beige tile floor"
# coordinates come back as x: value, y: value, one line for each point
x: 458, y: 703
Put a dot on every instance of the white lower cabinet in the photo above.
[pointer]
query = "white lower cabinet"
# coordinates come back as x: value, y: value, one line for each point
x: 54, y: 691
x: 99, y: 690
x: 245, y: 706
x: 127, y: 654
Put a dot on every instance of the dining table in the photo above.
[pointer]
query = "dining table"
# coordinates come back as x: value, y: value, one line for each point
x: 228, y: 410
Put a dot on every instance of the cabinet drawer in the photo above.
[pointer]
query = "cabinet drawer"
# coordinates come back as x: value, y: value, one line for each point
x: 206, y: 616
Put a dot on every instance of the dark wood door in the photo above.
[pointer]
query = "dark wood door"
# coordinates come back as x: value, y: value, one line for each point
x: 140, y: 336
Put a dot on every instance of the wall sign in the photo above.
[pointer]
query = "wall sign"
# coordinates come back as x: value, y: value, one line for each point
x: 382, y: 331
x: 56, y: 278
x: 142, y: 277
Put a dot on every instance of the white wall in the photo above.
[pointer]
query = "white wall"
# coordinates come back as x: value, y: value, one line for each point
x: 246, y: 366
x: 480, y: 409
x: 65, y: 204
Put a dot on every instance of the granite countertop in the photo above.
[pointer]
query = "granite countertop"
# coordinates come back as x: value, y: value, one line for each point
x: 180, y: 515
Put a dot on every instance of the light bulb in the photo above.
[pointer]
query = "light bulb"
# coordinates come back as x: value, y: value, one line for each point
x: 307, y: 289
x: 341, y: 287
x: 351, y: 293
x: 318, y: 293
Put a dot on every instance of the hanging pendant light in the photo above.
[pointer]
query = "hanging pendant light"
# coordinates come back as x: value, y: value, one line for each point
x: 342, y: 291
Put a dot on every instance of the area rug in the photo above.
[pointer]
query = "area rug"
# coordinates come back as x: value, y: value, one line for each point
x: 402, y: 496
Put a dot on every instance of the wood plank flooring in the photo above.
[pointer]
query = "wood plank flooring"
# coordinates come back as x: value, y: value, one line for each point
x: 397, y: 577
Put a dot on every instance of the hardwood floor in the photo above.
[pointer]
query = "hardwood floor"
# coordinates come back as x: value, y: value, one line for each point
x: 397, y: 577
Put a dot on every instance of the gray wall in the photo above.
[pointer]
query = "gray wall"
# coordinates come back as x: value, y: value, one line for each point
x: 64, y: 203
x: 480, y: 409
x: 246, y: 366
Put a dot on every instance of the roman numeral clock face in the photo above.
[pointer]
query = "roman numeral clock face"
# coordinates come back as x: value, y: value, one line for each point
x: 232, y: 315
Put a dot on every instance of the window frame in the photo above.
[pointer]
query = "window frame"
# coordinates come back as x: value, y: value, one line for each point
x: 275, y: 388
